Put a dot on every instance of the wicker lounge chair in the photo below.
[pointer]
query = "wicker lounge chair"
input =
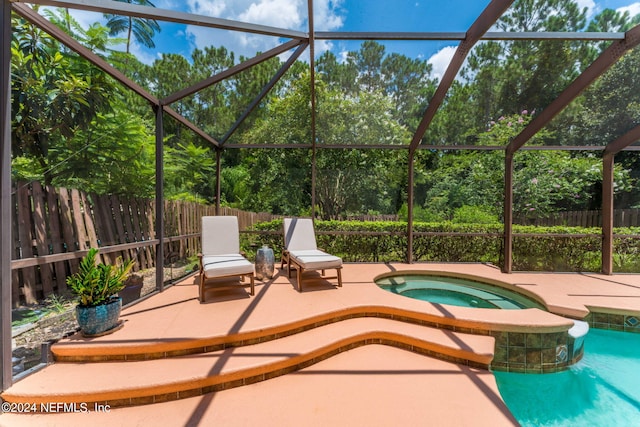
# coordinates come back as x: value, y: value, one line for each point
x: 221, y: 256
x: 301, y: 251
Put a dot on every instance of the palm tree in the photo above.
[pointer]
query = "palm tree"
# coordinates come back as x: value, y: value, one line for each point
x: 142, y: 29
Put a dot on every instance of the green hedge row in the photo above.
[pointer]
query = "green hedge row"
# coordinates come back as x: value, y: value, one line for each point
x: 534, y: 248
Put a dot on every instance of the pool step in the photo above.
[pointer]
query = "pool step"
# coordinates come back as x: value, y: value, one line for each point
x: 149, y: 381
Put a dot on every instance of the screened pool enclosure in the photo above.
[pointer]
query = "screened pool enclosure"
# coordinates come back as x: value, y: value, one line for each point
x: 504, y: 132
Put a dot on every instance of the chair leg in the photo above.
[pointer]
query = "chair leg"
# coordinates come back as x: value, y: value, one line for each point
x: 339, y: 271
x: 253, y: 291
x: 284, y: 259
x: 201, y: 288
x: 299, y: 270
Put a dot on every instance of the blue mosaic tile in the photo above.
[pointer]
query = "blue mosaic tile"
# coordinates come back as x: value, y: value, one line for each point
x: 562, y: 353
x: 632, y: 321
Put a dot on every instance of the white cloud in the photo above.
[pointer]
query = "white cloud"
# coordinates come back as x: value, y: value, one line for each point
x: 343, y: 56
x: 213, y: 8
x: 285, y: 14
x: 276, y: 13
x: 633, y: 9
x: 589, y: 4
x: 327, y: 15
x: 440, y: 60
x: 322, y: 46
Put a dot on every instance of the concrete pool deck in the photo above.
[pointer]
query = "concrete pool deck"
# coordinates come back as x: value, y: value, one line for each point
x: 320, y: 350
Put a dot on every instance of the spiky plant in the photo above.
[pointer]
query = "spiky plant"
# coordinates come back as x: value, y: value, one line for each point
x: 95, y: 284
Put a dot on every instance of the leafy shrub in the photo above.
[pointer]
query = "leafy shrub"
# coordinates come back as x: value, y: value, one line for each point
x: 626, y: 256
x: 474, y: 215
x: 535, y: 248
x: 420, y: 214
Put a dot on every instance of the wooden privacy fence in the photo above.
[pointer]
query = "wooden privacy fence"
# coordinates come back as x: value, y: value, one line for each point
x: 621, y: 218
x: 52, y: 228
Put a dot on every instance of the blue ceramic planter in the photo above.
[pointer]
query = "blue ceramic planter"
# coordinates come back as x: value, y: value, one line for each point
x: 99, y: 319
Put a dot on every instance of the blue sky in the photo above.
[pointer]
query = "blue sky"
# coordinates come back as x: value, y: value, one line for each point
x: 329, y: 15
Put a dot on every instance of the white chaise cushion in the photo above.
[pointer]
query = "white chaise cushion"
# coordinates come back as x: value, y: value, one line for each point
x: 315, y: 259
x: 299, y: 234
x: 220, y: 235
x: 226, y: 265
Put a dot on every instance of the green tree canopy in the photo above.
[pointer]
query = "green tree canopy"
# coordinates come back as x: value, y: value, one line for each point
x: 54, y: 94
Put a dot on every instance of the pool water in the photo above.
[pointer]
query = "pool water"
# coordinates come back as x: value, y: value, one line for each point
x: 454, y: 291
x: 603, y: 389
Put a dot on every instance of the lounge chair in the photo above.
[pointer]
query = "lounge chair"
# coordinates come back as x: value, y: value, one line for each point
x: 301, y: 252
x: 221, y: 256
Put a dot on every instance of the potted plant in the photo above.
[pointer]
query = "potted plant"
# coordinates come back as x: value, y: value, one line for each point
x: 96, y: 286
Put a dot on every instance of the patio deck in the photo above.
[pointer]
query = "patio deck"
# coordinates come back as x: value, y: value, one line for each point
x: 312, y: 358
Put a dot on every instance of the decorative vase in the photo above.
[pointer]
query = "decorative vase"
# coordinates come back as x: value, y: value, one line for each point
x: 99, y: 319
x: 265, y: 263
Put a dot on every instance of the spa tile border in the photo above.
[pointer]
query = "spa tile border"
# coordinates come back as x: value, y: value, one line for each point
x: 614, y: 321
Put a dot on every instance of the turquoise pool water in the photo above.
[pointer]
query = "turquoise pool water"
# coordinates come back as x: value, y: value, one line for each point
x: 454, y: 291
x: 603, y: 389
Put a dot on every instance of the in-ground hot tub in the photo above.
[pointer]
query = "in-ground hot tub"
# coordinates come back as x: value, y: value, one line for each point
x: 519, y: 347
x: 456, y: 291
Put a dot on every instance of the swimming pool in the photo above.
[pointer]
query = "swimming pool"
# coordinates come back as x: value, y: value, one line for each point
x: 455, y: 291
x: 600, y: 390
